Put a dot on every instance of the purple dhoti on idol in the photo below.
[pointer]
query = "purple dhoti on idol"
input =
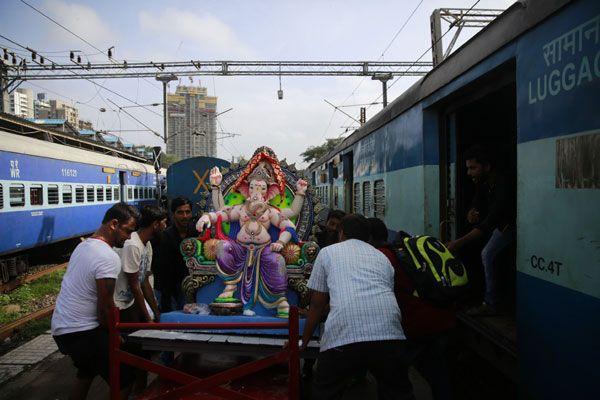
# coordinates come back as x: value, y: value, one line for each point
x: 248, y: 260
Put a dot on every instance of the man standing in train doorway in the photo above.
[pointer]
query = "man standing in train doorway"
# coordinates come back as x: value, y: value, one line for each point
x: 492, y: 215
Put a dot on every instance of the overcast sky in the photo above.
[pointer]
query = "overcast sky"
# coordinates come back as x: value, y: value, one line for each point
x: 180, y: 30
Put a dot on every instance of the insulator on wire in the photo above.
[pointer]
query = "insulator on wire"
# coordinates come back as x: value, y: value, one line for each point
x: 14, y: 58
x: 124, y: 63
x: 89, y: 65
x: 78, y: 59
x: 41, y: 59
x: 5, y: 54
x: 110, y: 53
x: 72, y: 55
x: 33, y: 55
x: 53, y: 66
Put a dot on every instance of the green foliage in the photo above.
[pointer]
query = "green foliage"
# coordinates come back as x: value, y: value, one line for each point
x: 166, y: 160
x: 26, y: 295
x: 313, y: 153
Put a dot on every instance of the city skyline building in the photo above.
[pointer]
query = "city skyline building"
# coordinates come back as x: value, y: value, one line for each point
x: 21, y: 103
x: 192, y: 130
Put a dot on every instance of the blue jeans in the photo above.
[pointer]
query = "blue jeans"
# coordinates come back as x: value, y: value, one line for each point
x: 498, y: 242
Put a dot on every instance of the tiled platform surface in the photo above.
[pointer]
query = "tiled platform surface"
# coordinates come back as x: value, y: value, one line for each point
x: 32, y: 352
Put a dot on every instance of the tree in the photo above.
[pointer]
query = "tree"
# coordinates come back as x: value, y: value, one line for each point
x: 314, y: 152
x: 167, y: 159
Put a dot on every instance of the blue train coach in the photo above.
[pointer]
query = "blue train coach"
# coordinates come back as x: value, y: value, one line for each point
x: 51, y: 192
x: 527, y: 87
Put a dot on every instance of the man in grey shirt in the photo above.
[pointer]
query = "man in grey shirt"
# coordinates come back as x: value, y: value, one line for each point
x: 363, y: 329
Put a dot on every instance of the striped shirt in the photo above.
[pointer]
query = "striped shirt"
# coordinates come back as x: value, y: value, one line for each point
x: 360, y: 283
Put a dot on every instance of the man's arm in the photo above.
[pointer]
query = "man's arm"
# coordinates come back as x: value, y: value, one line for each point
x: 318, y: 307
x: 149, y: 295
x: 457, y: 244
x: 138, y: 296
x: 105, y: 288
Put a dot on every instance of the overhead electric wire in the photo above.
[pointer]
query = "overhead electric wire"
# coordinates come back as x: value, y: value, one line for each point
x: 59, y: 24
x: 380, y: 57
x: 73, y: 33
x: 88, y: 79
x: 426, y: 51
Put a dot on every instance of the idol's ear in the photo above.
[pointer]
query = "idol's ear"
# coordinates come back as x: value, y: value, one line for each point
x: 272, y: 191
x: 244, y: 189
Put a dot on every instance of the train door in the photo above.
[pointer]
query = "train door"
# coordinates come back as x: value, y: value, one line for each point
x: 122, y: 187
x: 348, y: 175
x: 482, y: 114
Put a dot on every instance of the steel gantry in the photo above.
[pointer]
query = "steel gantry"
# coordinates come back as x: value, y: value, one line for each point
x: 124, y: 69
x: 458, y: 18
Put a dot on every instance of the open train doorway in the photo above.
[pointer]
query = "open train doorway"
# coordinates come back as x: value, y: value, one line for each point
x: 482, y: 115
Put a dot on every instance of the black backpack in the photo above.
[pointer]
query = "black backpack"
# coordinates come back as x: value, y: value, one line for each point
x: 436, y: 274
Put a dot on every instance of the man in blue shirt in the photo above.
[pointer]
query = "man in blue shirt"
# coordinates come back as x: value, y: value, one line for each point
x: 363, y: 329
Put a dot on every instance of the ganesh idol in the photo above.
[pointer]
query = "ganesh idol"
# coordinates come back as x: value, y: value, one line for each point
x: 249, y: 259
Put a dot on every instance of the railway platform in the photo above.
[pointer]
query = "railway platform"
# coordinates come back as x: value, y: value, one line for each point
x: 50, y: 376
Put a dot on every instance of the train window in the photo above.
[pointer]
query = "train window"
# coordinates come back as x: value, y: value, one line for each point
x: 367, y: 198
x: 379, y: 198
x: 1, y: 196
x: 108, y: 194
x: 79, y: 195
x: 67, y: 194
x: 129, y: 193
x: 36, y: 195
x: 100, y: 193
x: 52, y: 194
x: 357, y: 207
x: 17, y: 195
x: 116, y: 193
x: 90, y: 194
x: 147, y: 193
x: 136, y: 193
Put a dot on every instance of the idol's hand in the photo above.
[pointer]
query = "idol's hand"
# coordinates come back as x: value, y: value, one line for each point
x: 215, y: 176
x: 276, y: 247
x: 301, y: 186
x: 203, y: 222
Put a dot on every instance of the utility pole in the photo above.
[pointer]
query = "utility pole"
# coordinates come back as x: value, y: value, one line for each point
x: 4, y: 106
x: 383, y: 78
x: 165, y: 79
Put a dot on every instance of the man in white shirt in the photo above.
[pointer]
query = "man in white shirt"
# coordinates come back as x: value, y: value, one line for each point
x: 362, y: 330
x: 133, y: 292
x: 80, y: 319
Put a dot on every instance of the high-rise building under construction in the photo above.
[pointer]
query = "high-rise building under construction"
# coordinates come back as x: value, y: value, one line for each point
x: 192, y: 127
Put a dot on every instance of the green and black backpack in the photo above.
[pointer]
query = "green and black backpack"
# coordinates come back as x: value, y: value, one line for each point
x: 437, y: 275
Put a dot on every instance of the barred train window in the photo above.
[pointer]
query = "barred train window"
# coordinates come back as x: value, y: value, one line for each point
x: 90, y: 194
x: 79, y: 195
x: 36, y: 195
x: 108, y: 194
x: 147, y: 193
x: 129, y: 193
x: 136, y: 193
x: 357, y: 206
x: 67, y: 194
x: 1, y: 196
x: 100, y: 194
x: 52, y: 194
x: 367, y: 198
x: 379, y: 198
x: 117, y: 195
x: 17, y: 195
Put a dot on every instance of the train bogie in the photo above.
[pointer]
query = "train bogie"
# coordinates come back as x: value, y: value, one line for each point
x: 50, y: 192
x: 528, y: 88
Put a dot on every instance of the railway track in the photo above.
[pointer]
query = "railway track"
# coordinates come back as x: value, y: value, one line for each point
x: 8, y: 329
x: 15, y: 283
